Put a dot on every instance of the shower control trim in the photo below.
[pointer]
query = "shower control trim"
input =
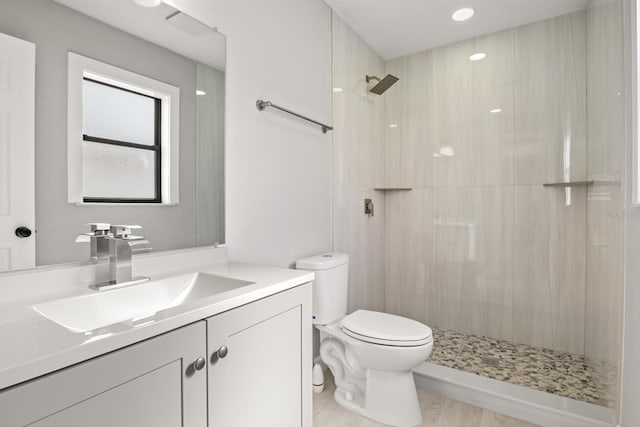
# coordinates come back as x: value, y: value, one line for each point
x: 368, y: 207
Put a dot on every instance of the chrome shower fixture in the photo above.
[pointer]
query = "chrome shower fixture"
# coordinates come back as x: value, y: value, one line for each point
x: 384, y: 84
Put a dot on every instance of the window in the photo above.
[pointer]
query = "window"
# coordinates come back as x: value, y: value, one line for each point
x: 122, y: 136
x: 121, y: 154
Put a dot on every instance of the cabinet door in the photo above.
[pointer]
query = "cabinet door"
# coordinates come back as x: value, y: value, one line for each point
x: 265, y: 378
x: 152, y: 383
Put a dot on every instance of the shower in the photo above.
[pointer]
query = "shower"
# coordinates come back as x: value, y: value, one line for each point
x: 382, y: 85
x: 516, y: 284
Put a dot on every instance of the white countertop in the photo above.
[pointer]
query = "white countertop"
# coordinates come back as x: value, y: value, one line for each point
x: 31, y: 346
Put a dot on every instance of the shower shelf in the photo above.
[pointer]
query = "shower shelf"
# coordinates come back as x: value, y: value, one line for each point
x: 393, y: 189
x: 568, y: 184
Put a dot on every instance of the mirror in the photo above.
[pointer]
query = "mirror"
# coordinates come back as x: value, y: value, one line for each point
x: 125, y: 107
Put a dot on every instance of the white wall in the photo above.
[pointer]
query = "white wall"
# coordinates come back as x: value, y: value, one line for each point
x: 630, y: 367
x: 630, y: 410
x: 278, y: 168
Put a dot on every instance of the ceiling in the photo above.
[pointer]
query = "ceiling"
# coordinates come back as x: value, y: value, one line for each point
x: 206, y: 46
x: 399, y: 27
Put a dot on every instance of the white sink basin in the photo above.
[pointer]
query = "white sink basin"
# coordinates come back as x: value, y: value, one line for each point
x: 137, y: 302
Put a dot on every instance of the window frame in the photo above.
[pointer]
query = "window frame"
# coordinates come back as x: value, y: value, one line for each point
x: 81, y: 67
x: 156, y: 148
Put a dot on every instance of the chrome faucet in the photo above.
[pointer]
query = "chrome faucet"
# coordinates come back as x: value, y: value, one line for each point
x: 118, y: 244
x: 121, y: 247
x: 97, y: 237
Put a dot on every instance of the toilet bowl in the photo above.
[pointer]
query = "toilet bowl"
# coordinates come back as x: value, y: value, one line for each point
x: 373, y: 372
x: 370, y: 354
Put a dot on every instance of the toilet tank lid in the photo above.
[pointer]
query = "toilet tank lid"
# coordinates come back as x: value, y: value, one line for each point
x: 322, y: 262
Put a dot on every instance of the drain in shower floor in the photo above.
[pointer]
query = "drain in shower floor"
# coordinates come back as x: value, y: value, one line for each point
x: 490, y: 361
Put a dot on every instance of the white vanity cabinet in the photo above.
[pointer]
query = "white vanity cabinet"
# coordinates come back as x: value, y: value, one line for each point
x: 260, y: 363
x: 148, y: 384
x: 174, y: 379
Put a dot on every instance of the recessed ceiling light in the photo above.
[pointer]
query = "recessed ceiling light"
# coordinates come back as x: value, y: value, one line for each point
x: 392, y: 126
x: 149, y: 3
x: 200, y: 92
x: 337, y: 89
x: 496, y: 110
x: 436, y: 155
x: 463, y: 14
x: 478, y: 56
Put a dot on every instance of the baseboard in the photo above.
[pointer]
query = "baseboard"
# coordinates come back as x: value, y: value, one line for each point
x: 537, y: 407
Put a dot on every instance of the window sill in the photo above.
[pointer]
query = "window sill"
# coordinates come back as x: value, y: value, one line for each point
x: 125, y: 204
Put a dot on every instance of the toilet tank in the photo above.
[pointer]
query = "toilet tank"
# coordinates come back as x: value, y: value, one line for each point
x: 330, y: 287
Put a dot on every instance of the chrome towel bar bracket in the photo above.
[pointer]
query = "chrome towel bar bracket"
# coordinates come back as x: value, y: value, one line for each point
x: 261, y: 105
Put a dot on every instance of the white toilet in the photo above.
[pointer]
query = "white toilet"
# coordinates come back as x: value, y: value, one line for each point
x: 370, y: 354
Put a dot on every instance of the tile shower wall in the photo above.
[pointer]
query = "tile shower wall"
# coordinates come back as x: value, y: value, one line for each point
x: 358, y: 117
x: 479, y: 246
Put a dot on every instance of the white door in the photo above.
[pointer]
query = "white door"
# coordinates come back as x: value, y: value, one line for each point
x: 17, y: 117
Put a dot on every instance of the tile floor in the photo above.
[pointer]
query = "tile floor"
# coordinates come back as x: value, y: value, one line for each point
x: 437, y: 412
x: 563, y: 374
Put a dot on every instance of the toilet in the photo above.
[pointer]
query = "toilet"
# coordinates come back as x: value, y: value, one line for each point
x: 370, y: 354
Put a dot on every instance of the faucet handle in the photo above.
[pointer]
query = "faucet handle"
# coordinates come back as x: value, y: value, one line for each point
x: 124, y: 231
x: 99, y: 226
x: 84, y: 238
x: 97, y: 229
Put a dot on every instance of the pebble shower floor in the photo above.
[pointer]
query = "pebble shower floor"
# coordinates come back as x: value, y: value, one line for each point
x: 555, y: 372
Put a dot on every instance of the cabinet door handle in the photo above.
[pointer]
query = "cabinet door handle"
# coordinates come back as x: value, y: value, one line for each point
x: 222, y: 352
x: 199, y: 363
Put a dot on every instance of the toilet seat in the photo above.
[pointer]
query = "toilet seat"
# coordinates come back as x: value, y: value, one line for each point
x: 386, y: 329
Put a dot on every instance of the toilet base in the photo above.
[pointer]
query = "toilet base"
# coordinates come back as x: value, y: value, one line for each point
x: 391, y: 398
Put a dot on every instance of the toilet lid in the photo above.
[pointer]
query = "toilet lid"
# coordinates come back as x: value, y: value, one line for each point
x: 386, y: 329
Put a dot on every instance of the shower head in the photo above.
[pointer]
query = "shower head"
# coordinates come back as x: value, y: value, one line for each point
x: 383, y: 84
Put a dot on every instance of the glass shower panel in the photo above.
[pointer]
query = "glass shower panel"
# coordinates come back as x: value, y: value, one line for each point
x: 509, y: 244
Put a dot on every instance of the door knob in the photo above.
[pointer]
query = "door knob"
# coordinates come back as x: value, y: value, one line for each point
x: 23, y: 232
x: 222, y: 352
x: 199, y: 363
